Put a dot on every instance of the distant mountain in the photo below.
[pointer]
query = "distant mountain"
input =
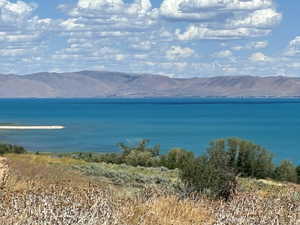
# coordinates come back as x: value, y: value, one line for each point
x: 109, y: 84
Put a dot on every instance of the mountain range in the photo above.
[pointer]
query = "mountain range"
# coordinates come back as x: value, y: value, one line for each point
x: 93, y: 84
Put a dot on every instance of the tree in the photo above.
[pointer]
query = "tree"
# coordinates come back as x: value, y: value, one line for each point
x: 247, y: 159
x: 286, y: 172
x: 142, y: 146
x: 140, y: 154
x: 176, y: 158
x: 7, y: 148
x: 139, y: 158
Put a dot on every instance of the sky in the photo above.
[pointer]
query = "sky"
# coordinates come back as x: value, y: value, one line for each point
x: 178, y: 38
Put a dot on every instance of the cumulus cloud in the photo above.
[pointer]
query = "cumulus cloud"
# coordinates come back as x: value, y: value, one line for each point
x: 222, y: 19
x: 134, y: 36
x: 20, y: 29
x: 251, y: 46
x: 264, y: 18
x: 108, y: 23
x: 293, y: 47
x: 197, y: 32
x: 177, y: 52
x: 112, y: 14
x: 259, y: 57
x: 142, y: 45
x: 208, y: 9
x: 223, y: 54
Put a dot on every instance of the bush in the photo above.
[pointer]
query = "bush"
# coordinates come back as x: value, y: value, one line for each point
x: 209, y: 174
x: 286, y: 172
x: 142, y: 146
x: 176, y: 158
x: 298, y: 174
x: 247, y: 159
x: 140, y: 158
x: 137, y: 155
x: 7, y: 148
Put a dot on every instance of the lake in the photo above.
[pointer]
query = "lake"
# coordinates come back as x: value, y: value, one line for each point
x: 97, y: 125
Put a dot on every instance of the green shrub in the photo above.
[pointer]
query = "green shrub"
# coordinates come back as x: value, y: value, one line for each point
x: 298, y: 174
x: 176, y: 158
x: 201, y: 175
x: 137, y: 155
x: 7, y: 148
x: 286, y: 172
x: 142, y: 146
x: 246, y: 158
x: 210, y: 174
x: 140, y: 158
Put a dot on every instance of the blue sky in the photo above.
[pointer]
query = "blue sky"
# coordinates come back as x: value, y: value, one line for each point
x: 180, y: 38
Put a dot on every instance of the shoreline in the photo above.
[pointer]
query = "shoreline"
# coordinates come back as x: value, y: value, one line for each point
x: 31, y: 127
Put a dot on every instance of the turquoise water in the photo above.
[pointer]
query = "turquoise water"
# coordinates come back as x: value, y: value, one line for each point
x: 98, y: 124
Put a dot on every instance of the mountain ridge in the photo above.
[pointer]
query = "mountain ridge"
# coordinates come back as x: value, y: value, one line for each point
x: 102, y: 84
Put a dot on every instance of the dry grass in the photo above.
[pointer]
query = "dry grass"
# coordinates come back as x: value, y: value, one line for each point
x: 43, y: 190
x: 29, y: 171
x: 58, y: 205
x: 250, y: 208
x: 167, y: 210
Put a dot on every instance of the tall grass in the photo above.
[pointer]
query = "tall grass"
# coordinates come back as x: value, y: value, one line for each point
x: 42, y: 190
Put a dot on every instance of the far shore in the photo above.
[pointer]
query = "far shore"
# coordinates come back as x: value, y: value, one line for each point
x: 31, y: 127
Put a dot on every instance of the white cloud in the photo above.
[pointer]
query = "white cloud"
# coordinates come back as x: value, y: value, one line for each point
x: 222, y: 19
x: 264, y: 18
x: 11, y: 52
x: 142, y: 45
x: 294, y: 47
x: 251, y: 46
x: 259, y: 44
x: 197, y: 32
x: 177, y: 52
x: 259, y: 57
x: 223, y: 54
x: 21, y: 31
x: 15, y: 12
x: 208, y: 9
x: 110, y: 14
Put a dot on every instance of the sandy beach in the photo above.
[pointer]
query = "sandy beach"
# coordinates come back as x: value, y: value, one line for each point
x: 31, y: 127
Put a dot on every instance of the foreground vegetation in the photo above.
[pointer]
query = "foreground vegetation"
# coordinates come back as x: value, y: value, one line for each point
x: 224, y: 159
x: 234, y: 182
x: 42, y: 189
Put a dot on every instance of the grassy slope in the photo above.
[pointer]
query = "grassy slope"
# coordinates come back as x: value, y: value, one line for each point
x: 68, y: 191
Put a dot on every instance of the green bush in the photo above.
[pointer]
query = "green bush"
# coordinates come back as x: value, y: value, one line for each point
x: 246, y: 158
x: 140, y: 158
x: 298, y: 174
x: 7, y: 148
x: 142, y: 146
x: 200, y: 175
x: 176, y: 158
x: 210, y: 174
x: 286, y: 172
x: 137, y: 155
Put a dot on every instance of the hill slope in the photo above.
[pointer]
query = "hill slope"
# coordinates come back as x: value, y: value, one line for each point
x: 42, y: 189
x: 110, y: 84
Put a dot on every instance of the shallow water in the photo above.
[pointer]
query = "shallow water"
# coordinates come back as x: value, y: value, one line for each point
x: 98, y: 124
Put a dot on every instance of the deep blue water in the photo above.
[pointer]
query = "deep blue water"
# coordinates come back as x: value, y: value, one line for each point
x: 98, y: 124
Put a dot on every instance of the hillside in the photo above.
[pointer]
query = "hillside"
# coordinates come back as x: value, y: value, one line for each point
x: 88, y: 84
x: 43, y: 189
